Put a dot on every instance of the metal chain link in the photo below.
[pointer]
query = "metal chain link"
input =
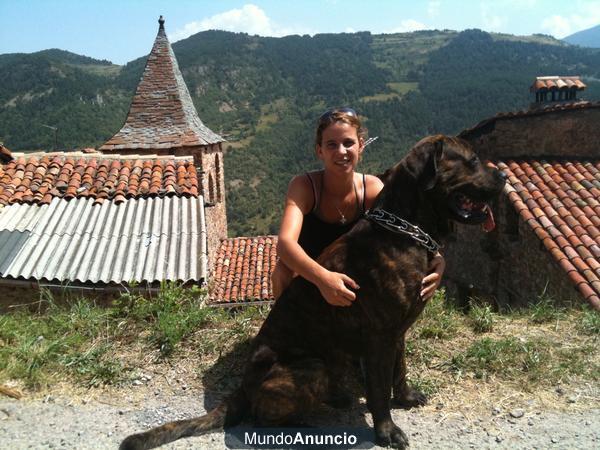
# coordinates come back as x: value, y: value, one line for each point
x: 395, y: 224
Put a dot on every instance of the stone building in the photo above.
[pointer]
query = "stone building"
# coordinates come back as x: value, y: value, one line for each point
x: 148, y: 208
x: 99, y: 223
x: 547, y: 238
x: 162, y: 120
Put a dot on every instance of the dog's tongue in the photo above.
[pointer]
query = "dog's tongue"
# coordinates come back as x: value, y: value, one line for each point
x: 489, y: 223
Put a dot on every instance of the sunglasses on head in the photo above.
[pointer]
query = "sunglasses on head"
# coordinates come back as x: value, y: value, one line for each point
x: 330, y: 112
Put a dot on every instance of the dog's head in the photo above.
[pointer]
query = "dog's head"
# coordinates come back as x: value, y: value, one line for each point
x: 453, y: 179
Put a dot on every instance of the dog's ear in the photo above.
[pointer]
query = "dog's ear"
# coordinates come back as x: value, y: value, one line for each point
x: 423, y: 161
x: 429, y: 175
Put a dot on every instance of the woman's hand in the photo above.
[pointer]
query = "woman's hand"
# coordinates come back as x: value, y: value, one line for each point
x: 432, y: 281
x: 334, y: 288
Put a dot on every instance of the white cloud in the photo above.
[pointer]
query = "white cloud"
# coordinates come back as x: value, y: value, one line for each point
x: 408, y: 25
x: 588, y: 15
x: 433, y: 8
x: 490, y: 20
x: 249, y: 19
x: 557, y: 26
x: 518, y: 4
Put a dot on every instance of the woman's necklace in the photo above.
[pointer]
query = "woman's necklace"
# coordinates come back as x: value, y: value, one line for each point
x: 343, y: 219
x: 342, y: 216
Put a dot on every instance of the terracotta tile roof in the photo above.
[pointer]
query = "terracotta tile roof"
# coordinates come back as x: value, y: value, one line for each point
x: 556, y: 82
x: 550, y: 108
x: 243, y: 269
x: 38, y: 178
x: 162, y: 114
x: 560, y: 200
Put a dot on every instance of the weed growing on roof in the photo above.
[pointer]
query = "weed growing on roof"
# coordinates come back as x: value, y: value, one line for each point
x: 439, y: 318
x: 481, y: 316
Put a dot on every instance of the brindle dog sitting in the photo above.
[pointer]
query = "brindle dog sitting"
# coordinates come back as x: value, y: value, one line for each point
x: 304, y: 341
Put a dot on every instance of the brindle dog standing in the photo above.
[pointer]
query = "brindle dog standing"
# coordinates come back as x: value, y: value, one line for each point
x: 304, y: 341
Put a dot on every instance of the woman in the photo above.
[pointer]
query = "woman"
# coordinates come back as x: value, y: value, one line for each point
x: 321, y: 206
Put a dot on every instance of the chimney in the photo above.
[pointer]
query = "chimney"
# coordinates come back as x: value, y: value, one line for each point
x: 552, y: 90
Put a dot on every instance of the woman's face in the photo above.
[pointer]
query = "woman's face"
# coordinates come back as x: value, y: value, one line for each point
x: 340, y: 148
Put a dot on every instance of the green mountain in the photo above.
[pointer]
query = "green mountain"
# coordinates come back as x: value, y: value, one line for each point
x: 585, y: 38
x: 264, y: 95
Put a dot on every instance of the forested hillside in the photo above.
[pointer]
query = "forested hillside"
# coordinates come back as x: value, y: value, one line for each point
x: 585, y: 38
x: 264, y: 95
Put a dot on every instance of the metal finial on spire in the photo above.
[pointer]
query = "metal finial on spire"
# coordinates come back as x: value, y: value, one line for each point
x: 161, y: 22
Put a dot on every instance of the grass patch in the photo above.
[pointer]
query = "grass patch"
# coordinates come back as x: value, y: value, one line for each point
x: 530, y: 350
x: 590, y: 321
x: 528, y: 360
x: 426, y: 385
x: 89, y: 345
x: 170, y: 317
x: 439, y: 319
x: 397, y: 89
x: 33, y: 347
x: 481, y: 317
x: 77, y: 338
x: 402, y: 88
x: 544, y: 310
x: 381, y: 97
x: 499, y: 356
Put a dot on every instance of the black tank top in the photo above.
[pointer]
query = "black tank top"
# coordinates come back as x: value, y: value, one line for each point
x: 316, y: 234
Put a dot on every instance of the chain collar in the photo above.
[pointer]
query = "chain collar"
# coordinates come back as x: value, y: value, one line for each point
x: 397, y: 225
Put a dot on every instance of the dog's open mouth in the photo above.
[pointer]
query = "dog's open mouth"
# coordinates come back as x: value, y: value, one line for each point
x: 471, y: 211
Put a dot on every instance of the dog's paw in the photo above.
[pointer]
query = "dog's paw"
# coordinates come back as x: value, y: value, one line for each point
x: 387, y: 434
x: 408, y: 398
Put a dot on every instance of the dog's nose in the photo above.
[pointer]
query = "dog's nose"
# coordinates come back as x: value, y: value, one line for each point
x: 502, y: 175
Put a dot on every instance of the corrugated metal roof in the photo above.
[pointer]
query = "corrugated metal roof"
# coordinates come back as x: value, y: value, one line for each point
x: 142, y: 240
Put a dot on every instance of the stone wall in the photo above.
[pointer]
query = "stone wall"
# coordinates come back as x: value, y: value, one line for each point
x: 213, y: 190
x: 28, y: 295
x: 11, y: 296
x: 563, y: 133
x: 509, y: 266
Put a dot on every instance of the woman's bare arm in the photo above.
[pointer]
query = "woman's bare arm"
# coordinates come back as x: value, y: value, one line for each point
x: 333, y: 285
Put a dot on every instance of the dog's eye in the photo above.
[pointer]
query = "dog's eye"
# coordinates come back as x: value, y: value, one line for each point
x: 474, y: 161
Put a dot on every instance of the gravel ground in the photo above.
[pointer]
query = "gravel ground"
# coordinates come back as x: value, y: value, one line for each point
x: 64, y: 422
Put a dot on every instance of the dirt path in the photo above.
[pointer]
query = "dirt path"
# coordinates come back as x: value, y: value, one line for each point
x: 73, y: 422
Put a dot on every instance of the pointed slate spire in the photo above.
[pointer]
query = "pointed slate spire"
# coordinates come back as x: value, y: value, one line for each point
x: 162, y: 114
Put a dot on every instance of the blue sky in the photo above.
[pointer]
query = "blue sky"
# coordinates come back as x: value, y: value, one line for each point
x: 124, y: 30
